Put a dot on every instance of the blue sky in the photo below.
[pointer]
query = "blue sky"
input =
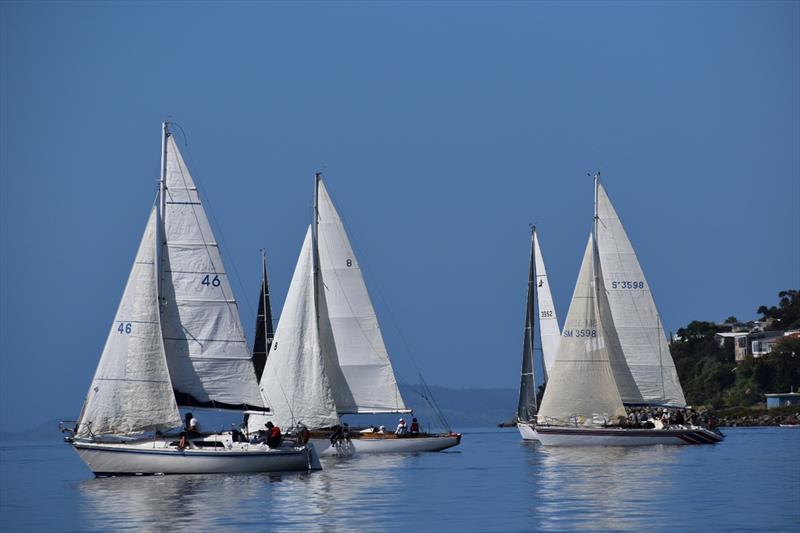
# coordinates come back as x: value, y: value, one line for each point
x: 443, y: 129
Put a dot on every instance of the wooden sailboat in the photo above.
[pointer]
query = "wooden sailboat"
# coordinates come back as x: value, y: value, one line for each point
x: 328, y: 357
x: 176, y: 340
x: 612, y: 351
x: 549, y: 333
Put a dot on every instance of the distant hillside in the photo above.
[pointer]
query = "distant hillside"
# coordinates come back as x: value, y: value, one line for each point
x: 464, y: 407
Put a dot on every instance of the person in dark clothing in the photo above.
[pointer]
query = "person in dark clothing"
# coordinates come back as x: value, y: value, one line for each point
x: 414, y: 426
x: 274, y: 436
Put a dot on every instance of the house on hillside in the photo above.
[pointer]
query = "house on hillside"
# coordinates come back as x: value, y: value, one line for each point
x: 754, y: 343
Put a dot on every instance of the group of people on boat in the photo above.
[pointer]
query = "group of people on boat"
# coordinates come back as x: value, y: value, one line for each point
x: 651, y: 417
x: 406, y: 431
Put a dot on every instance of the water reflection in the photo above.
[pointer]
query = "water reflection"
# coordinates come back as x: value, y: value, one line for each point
x: 600, y: 487
x: 333, y: 499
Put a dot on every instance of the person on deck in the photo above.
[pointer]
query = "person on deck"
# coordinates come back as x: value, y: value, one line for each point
x: 193, y: 426
x: 414, y: 426
x: 401, y: 430
x: 274, y: 435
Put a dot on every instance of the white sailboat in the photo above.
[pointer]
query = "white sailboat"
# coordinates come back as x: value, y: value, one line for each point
x: 328, y: 357
x: 549, y: 333
x: 176, y: 339
x: 612, y: 351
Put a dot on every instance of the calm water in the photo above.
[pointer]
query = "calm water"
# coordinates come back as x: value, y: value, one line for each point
x: 494, y: 482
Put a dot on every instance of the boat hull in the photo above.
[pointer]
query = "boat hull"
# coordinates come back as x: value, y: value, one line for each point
x: 576, y: 436
x: 392, y: 444
x: 157, y: 457
x: 528, y: 431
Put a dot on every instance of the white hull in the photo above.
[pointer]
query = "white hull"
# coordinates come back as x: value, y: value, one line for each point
x: 391, y: 444
x: 159, y: 457
x: 528, y: 431
x: 576, y: 436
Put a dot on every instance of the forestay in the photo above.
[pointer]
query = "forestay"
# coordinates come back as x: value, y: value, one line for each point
x: 131, y: 391
x: 636, y: 319
x: 207, y: 353
x: 582, y: 383
x: 548, y: 320
x: 294, y: 383
x: 361, y: 376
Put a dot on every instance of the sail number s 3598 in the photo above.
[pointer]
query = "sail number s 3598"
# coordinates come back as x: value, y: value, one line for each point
x: 627, y: 284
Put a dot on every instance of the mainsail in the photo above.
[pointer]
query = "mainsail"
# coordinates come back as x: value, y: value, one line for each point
x: 582, y: 382
x: 294, y: 383
x: 548, y: 320
x: 526, y: 408
x: 361, y: 375
x: 209, y: 361
x: 264, y: 330
x: 634, y: 312
x: 131, y: 392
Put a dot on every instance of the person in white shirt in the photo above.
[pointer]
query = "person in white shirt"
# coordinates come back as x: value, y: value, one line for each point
x: 401, y: 430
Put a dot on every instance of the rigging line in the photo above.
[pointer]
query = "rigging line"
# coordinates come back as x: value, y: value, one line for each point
x: 200, y: 186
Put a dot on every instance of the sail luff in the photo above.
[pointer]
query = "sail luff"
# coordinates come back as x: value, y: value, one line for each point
x: 527, y: 407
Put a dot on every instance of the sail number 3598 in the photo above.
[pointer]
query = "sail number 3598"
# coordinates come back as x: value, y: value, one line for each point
x: 627, y: 284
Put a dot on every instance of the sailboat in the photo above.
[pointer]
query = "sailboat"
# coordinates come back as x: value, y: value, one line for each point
x: 328, y: 358
x: 176, y: 340
x: 612, y: 351
x: 538, y: 288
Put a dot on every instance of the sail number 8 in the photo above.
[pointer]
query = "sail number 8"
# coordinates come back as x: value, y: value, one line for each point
x: 627, y: 284
x: 212, y: 282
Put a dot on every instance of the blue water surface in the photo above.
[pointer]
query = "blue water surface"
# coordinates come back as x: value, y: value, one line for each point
x: 492, y: 482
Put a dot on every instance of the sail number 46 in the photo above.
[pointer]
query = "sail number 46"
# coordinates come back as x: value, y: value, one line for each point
x: 212, y: 282
x: 124, y: 327
x: 627, y: 284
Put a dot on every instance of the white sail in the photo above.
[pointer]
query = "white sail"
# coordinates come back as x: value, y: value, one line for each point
x: 548, y: 320
x: 582, y: 383
x: 207, y: 353
x: 360, y: 374
x: 131, y: 392
x: 294, y: 384
x: 636, y: 318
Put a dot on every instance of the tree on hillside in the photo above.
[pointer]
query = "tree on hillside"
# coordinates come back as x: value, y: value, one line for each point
x: 786, y: 314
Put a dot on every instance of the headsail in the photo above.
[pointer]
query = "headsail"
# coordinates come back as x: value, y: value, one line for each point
x: 295, y: 384
x: 582, y: 381
x: 351, y: 337
x: 526, y: 408
x: 548, y: 320
x: 209, y: 361
x: 636, y: 318
x: 131, y: 392
x: 264, y: 330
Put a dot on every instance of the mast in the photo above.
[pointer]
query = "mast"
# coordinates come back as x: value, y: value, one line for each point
x: 315, y: 245
x: 160, y: 228
x: 595, y: 255
x: 531, y: 312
